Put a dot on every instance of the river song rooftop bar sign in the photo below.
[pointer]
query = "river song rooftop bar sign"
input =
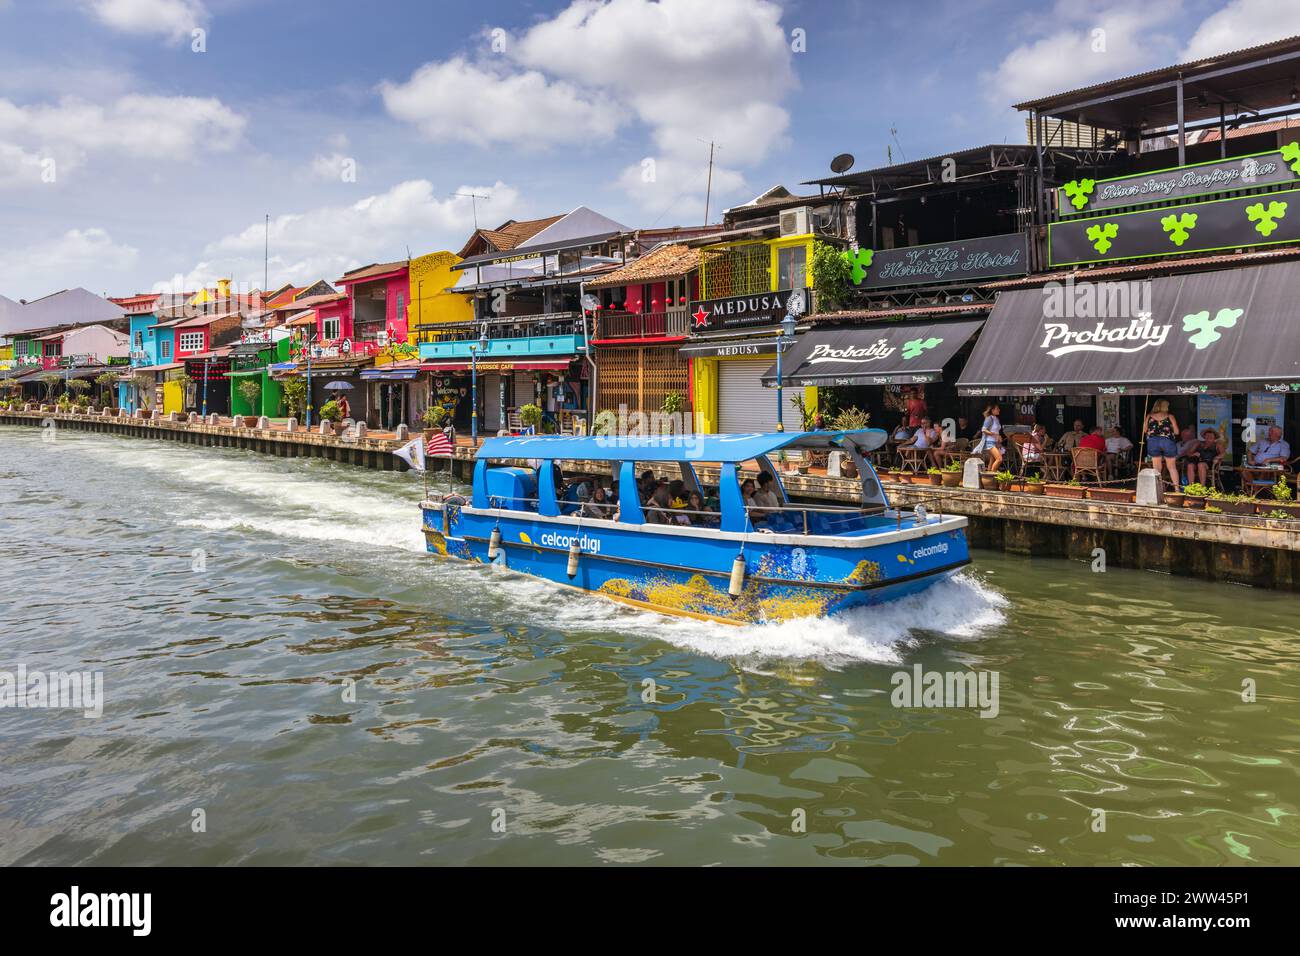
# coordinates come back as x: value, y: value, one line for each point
x: 1221, y: 224
x: 1279, y: 166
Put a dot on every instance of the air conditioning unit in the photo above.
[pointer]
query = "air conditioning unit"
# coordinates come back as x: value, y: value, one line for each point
x: 797, y: 222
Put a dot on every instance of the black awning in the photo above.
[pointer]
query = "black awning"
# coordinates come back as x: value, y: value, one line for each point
x: 887, y: 353
x: 1234, y: 330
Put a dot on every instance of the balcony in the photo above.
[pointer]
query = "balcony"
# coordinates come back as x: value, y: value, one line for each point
x: 643, y: 325
x: 503, y: 349
x: 515, y: 327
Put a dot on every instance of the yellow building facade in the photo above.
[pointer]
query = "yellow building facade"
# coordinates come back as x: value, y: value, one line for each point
x: 743, y: 268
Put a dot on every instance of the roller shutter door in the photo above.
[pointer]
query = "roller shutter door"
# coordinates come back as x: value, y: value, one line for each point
x: 744, y: 405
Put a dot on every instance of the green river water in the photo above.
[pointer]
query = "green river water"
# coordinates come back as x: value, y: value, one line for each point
x: 500, y: 720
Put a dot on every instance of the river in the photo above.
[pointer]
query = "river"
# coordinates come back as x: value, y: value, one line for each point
x: 290, y: 679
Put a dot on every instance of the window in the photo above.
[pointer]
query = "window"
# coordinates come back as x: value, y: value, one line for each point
x: 166, y: 348
x: 331, y: 328
x: 791, y: 265
x: 139, y: 340
x: 190, y: 342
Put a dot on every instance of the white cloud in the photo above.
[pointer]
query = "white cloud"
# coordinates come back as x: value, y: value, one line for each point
x: 19, y: 167
x: 332, y: 168
x: 173, y: 19
x: 77, y: 257
x: 687, y: 71
x: 143, y: 127
x: 1244, y: 23
x: 325, y: 242
x: 475, y: 103
x: 1070, y: 53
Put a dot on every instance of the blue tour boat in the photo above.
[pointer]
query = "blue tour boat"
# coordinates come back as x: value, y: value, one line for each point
x: 530, y: 510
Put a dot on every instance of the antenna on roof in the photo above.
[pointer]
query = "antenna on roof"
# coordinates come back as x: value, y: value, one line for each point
x: 893, y: 133
x: 474, y: 198
x: 708, y: 189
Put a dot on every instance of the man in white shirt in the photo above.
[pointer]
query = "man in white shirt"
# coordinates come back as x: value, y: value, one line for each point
x: 1271, y: 451
x: 1116, y: 442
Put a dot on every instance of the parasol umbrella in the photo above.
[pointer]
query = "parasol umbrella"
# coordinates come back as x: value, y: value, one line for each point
x: 338, y: 386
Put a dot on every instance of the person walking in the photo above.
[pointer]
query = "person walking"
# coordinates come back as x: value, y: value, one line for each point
x: 990, y: 439
x: 1161, y: 431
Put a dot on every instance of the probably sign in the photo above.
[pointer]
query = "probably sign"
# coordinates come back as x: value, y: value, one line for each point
x: 763, y: 308
x: 1211, y: 226
x: 1181, y: 182
x: 965, y: 260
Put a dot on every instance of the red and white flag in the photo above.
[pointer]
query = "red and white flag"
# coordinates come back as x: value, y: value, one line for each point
x: 439, y: 445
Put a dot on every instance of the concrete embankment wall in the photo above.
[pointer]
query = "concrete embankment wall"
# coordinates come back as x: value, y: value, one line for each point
x: 1241, y: 549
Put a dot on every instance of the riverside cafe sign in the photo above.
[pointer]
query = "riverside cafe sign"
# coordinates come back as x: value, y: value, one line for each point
x: 1260, y: 219
x: 1227, y: 331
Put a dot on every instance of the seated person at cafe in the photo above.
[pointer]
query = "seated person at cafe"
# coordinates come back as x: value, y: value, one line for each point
x: 902, y: 432
x: 1116, y: 442
x: 1093, y: 440
x: 1272, y: 451
x: 1032, y: 448
x: 1203, y: 455
x: 1072, y: 438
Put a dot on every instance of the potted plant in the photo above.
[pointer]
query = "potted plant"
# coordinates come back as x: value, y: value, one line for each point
x: 1234, y: 504
x: 1005, y: 478
x: 330, y: 412
x: 1194, y: 496
x: 1071, y: 489
x: 1035, y: 486
x: 530, y: 416
x: 1277, y: 514
x: 988, y: 481
x: 936, y: 476
x: 952, y: 474
x: 1126, y: 495
x: 1284, y: 498
x: 1174, y: 499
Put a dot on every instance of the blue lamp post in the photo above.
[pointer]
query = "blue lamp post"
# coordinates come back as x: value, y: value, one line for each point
x: 474, y: 349
x: 794, y: 306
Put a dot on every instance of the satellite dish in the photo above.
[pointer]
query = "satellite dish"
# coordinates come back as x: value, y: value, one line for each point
x: 842, y: 163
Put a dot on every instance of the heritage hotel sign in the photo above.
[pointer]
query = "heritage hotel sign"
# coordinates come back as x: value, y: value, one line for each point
x: 1183, y: 182
x: 966, y: 259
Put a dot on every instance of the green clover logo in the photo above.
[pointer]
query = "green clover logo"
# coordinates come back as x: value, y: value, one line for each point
x: 1291, y: 154
x: 1264, y: 218
x: 1101, y: 236
x: 1206, y: 328
x: 915, y: 347
x: 860, y: 262
x: 1179, y: 227
x: 1078, y: 191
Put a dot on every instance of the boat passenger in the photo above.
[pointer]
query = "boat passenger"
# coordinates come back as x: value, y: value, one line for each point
x: 677, y: 493
x: 598, y: 506
x: 646, y: 485
x: 659, y: 507
x: 764, y: 498
x: 697, y: 510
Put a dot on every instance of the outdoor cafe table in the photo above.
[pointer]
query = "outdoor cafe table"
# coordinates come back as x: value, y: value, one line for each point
x: 1256, y: 480
x: 1056, y: 465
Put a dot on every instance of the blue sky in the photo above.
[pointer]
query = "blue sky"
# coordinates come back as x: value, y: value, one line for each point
x: 128, y: 157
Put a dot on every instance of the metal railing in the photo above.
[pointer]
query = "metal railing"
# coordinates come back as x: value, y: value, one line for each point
x: 505, y: 327
x: 618, y: 325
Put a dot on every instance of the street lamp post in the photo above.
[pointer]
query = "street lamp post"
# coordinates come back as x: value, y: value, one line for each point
x: 474, y: 349
x: 205, y: 387
x: 311, y: 336
x: 794, y: 307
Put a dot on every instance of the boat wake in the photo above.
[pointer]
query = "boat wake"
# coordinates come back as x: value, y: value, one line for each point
x: 960, y: 607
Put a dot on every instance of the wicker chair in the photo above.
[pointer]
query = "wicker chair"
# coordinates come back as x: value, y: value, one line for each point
x: 1088, y: 461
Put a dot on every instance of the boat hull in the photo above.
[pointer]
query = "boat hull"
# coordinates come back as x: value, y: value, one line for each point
x: 687, y: 571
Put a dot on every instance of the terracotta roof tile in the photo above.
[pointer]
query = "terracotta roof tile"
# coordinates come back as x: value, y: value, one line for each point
x: 664, y: 262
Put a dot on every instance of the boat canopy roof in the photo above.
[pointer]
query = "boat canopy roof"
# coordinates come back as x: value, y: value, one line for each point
x: 691, y: 447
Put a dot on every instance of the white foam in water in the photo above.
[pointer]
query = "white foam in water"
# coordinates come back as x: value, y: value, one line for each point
x: 960, y: 607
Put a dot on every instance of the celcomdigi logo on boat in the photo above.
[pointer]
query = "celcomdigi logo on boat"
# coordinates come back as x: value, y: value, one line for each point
x: 930, y: 550
x: 553, y: 539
